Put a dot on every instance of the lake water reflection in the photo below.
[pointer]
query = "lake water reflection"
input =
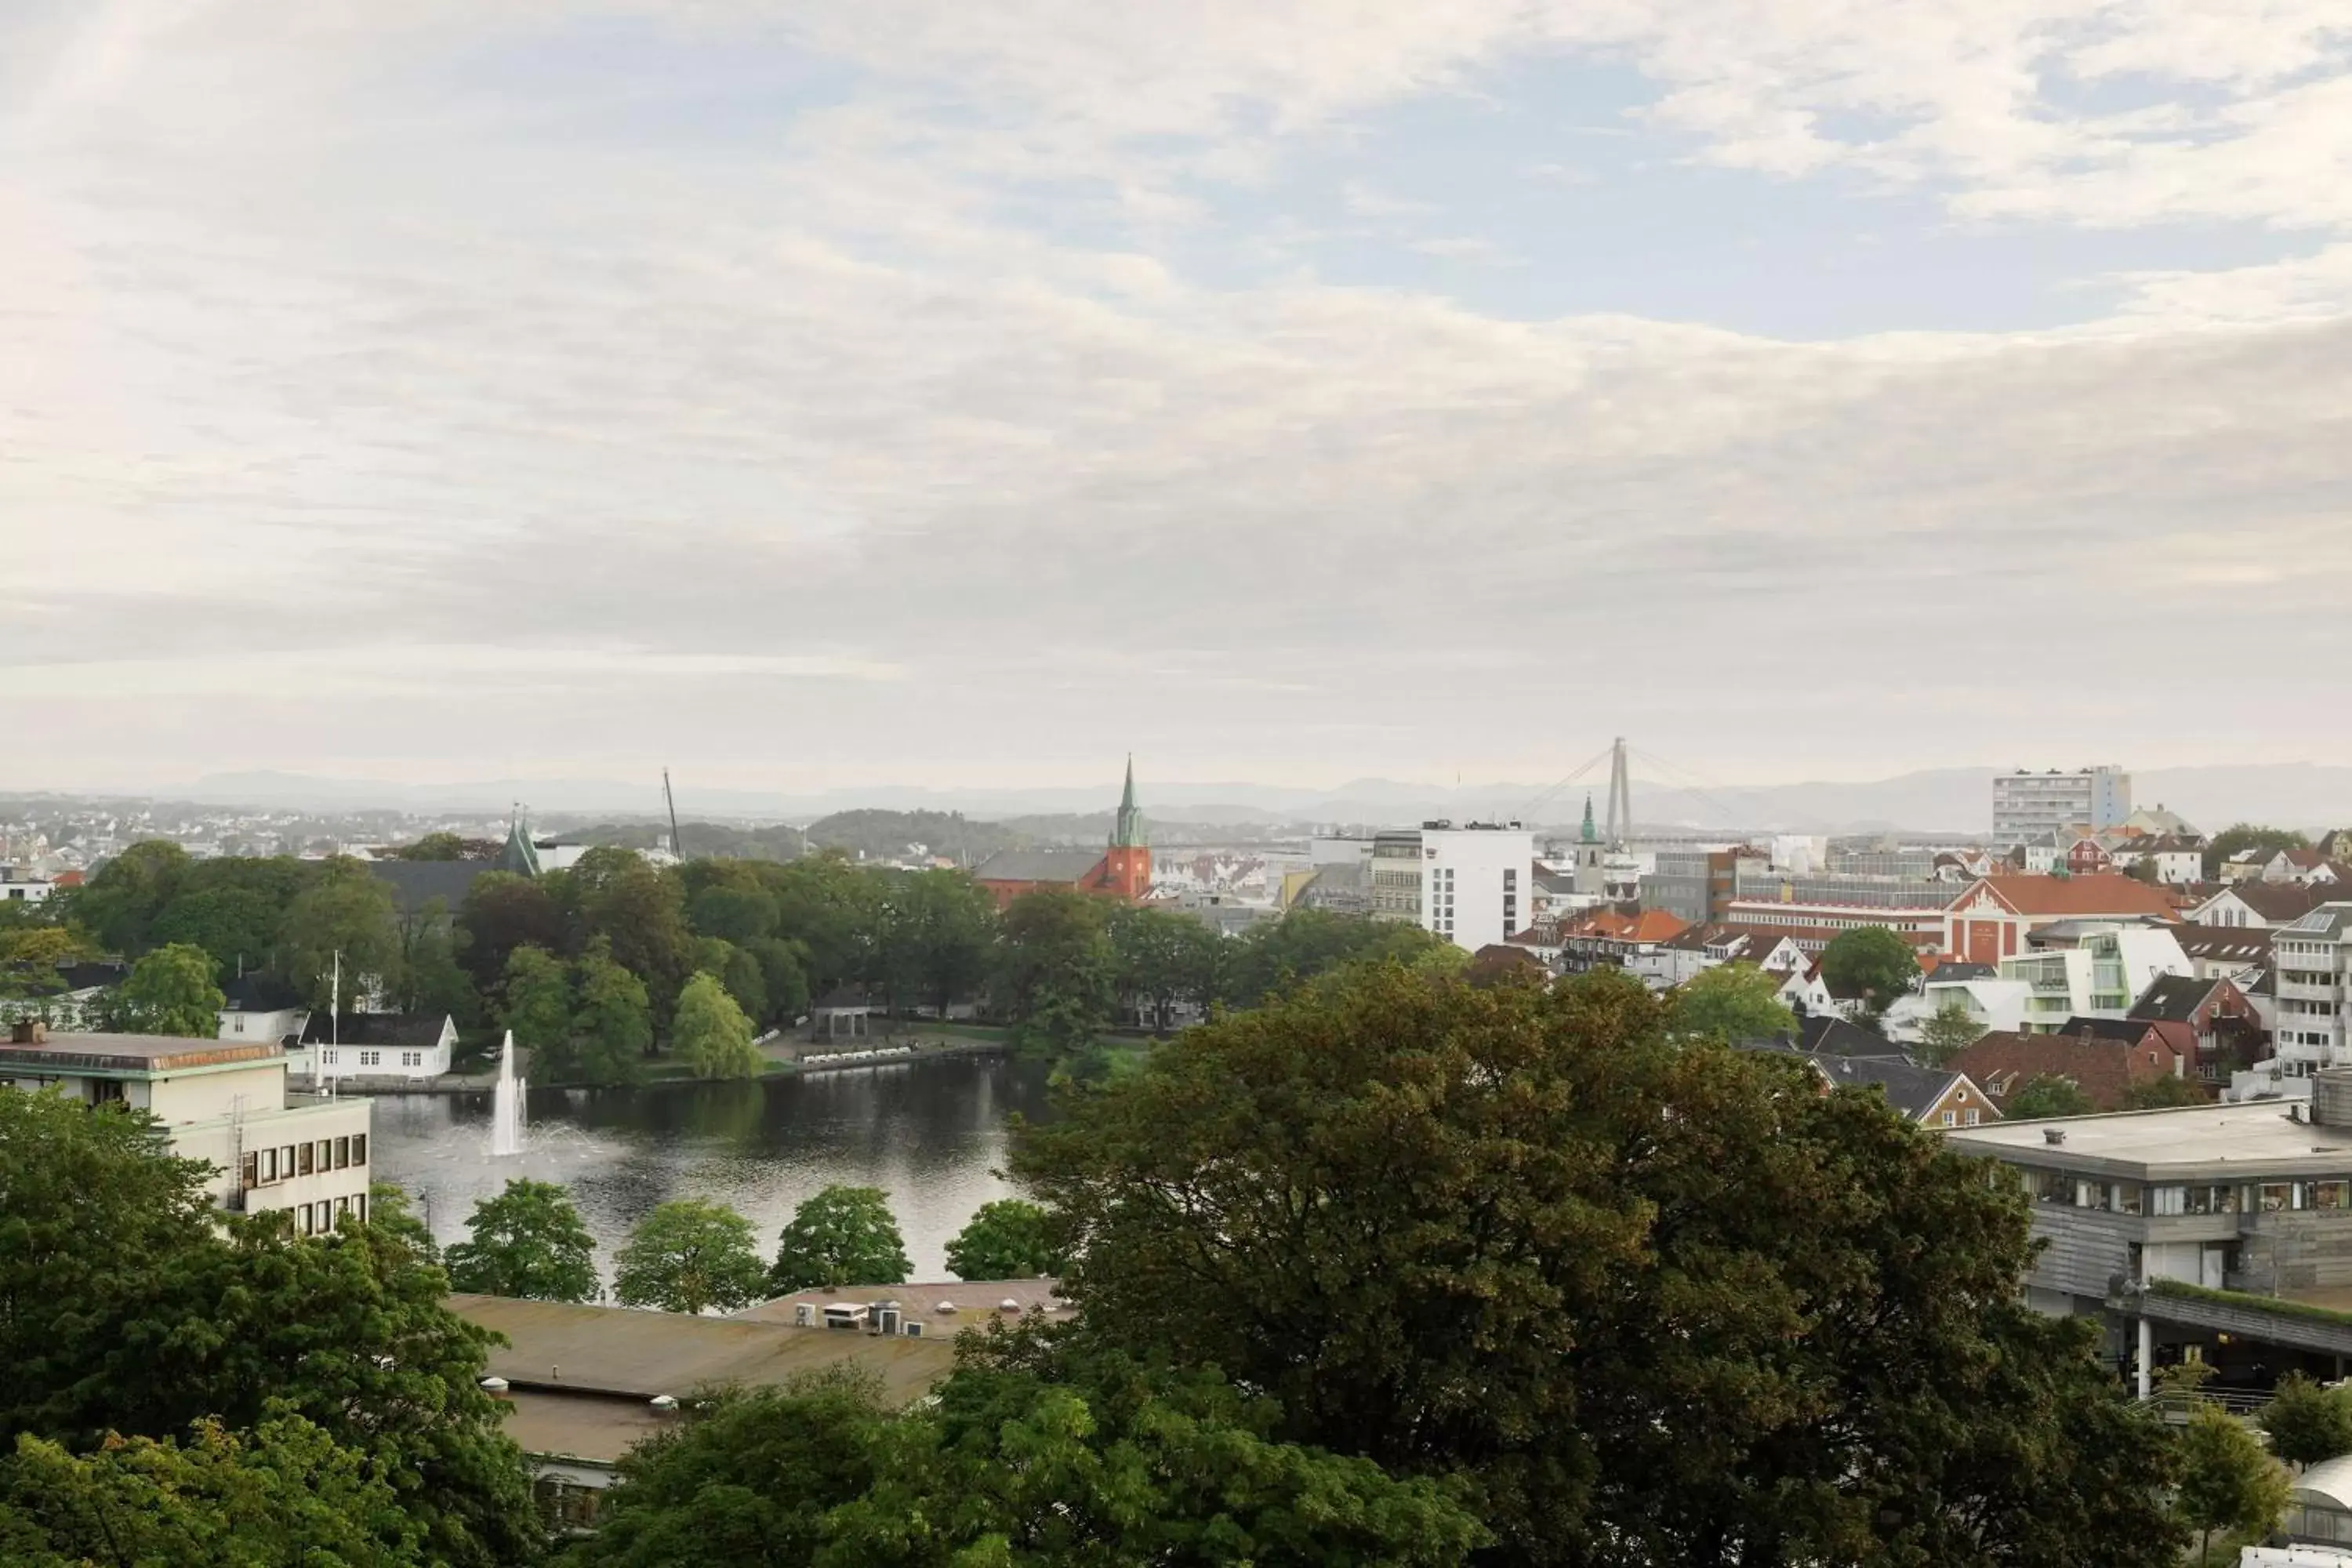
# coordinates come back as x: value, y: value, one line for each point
x: 929, y: 1134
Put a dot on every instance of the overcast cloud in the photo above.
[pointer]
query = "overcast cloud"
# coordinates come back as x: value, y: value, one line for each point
x: 804, y: 394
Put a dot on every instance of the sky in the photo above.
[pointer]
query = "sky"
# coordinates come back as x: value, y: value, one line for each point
x: 804, y: 394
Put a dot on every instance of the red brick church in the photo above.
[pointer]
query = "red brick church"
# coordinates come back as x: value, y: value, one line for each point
x: 1121, y: 871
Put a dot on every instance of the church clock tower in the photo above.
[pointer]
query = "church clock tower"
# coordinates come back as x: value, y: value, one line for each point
x: 1127, y: 864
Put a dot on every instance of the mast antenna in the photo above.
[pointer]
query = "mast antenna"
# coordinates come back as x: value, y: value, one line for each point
x: 674, y: 846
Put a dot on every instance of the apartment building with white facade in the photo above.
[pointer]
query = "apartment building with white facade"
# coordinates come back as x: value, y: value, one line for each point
x: 223, y: 1101
x: 2097, y: 970
x: 2311, y: 960
x: 2026, y: 804
x: 1473, y: 885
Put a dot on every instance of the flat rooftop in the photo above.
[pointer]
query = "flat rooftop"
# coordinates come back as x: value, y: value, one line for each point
x: 133, y: 1053
x: 555, y: 1347
x: 969, y: 1302
x: 2217, y: 1142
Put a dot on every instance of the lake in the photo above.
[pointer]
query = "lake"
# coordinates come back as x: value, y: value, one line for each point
x: 930, y: 1134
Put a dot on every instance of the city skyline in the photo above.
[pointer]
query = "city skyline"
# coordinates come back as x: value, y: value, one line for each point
x: 806, y: 398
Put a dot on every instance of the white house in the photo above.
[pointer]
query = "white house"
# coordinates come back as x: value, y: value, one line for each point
x: 255, y: 1008
x: 223, y: 1103
x: 2099, y: 976
x: 1994, y: 1003
x: 413, y: 1045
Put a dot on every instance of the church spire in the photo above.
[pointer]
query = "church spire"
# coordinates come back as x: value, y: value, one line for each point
x: 1589, y: 835
x: 519, y: 856
x: 1127, y: 832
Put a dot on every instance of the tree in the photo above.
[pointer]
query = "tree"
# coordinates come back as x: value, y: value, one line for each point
x: 640, y: 911
x: 1038, y: 1450
x: 1055, y: 970
x: 169, y: 992
x: 834, y: 911
x: 935, y: 933
x: 711, y: 1035
x: 614, y: 1027
x: 2160, y: 1093
x: 390, y: 1216
x: 1163, y: 958
x: 527, y: 1242
x: 842, y: 1235
x: 283, y: 1492
x: 735, y: 969
x: 348, y: 911
x: 503, y: 912
x: 1872, y: 963
x: 2227, y: 1482
x: 123, y: 900
x: 784, y: 977
x: 1007, y: 1239
x: 2241, y: 836
x: 449, y: 846
x: 739, y: 914
x: 2308, y: 1423
x: 1729, y: 1003
x: 236, y: 925
x: 689, y: 1254
x: 30, y: 956
x: 1305, y: 944
x: 1948, y: 1031
x: 1656, y: 1301
x: 535, y: 1002
x: 2046, y: 1094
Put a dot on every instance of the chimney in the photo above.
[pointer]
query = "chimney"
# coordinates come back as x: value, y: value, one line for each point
x: 2053, y: 1135
x: 29, y: 1032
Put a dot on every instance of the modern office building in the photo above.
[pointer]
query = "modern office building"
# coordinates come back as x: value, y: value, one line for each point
x: 2026, y: 803
x: 2311, y: 959
x: 1473, y: 885
x: 225, y: 1102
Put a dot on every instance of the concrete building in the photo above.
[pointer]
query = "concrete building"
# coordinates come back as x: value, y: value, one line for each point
x: 2311, y: 960
x: 2196, y: 1227
x: 2094, y: 970
x: 224, y: 1102
x: 1473, y: 885
x: 2025, y: 804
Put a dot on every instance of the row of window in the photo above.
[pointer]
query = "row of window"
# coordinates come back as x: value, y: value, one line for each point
x: 322, y: 1217
x: 374, y: 1059
x: 287, y: 1161
x: 2200, y: 1198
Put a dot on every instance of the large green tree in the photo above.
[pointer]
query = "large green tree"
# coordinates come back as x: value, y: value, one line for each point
x: 503, y: 912
x: 535, y: 1002
x: 640, y: 911
x: 687, y: 1255
x: 614, y: 1026
x: 2164, y: 1092
x: 348, y: 912
x: 1011, y: 1238
x: 1659, y: 1302
x: 842, y: 1236
x: 1872, y: 963
x: 122, y: 901
x: 1162, y: 959
x: 283, y: 1494
x: 237, y: 926
x: 170, y: 991
x: 2241, y: 836
x: 711, y: 1033
x: 935, y: 931
x: 2308, y: 1422
x: 528, y: 1242
x: 1277, y: 956
x: 1039, y: 1451
x: 1729, y: 1003
x: 2228, y: 1483
x: 1054, y: 970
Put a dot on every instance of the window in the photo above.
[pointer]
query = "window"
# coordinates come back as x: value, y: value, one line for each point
x: 342, y: 1208
x: 412, y: 1059
x: 342, y: 1152
x: 359, y: 1207
x: 251, y: 1176
x: 2167, y: 1200
x: 371, y: 1058
x: 2330, y: 1195
x: 1973, y: 1116
x: 2275, y: 1197
x: 359, y: 1148
x: 240, y: 1023
x: 305, y: 1223
x: 326, y: 1154
x: 302, y: 1157
x: 326, y: 1213
x: 1952, y: 1118
x: 268, y: 1165
x: 286, y: 1162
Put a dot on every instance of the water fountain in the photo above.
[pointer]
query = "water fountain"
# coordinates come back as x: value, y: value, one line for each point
x: 506, y: 1105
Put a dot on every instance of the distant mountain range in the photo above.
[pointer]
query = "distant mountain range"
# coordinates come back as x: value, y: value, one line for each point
x: 1940, y: 800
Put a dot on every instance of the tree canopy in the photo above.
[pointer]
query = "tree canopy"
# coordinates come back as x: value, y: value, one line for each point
x: 2046, y: 1094
x: 1010, y: 1239
x: 1729, y: 1003
x: 1655, y: 1303
x: 2307, y: 1423
x: 1946, y: 1032
x: 842, y: 1236
x: 711, y: 1033
x: 2228, y: 1483
x: 689, y: 1254
x: 170, y: 991
x: 527, y: 1241
x: 2241, y: 836
x: 1872, y: 963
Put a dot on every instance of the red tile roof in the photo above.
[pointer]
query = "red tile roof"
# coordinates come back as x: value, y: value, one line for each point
x: 2103, y: 893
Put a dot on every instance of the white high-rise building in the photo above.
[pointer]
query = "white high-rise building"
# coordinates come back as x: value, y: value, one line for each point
x: 1473, y: 885
x: 2313, y: 960
x: 2025, y: 804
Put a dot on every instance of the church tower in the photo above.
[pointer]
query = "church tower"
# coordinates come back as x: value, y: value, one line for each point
x: 1127, y: 864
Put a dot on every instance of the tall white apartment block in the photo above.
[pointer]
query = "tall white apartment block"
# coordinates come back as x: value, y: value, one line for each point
x: 2313, y: 958
x: 1477, y: 881
x: 2027, y: 803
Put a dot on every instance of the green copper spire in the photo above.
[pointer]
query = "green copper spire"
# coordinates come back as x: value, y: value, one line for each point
x: 1127, y: 832
x: 519, y: 856
x: 1589, y: 835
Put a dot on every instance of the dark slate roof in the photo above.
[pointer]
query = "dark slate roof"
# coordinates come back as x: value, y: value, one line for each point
x: 2173, y: 997
x: 258, y: 994
x: 1829, y: 1033
x: 1957, y: 969
x: 1037, y: 865
x: 99, y: 972
x: 416, y: 883
x: 410, y: 1031
x: 2249, y: 944
x: 2127, y: 1030
x: 1909, y: 1088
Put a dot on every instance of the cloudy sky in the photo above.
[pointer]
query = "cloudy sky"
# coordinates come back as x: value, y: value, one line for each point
x: 810, y: 393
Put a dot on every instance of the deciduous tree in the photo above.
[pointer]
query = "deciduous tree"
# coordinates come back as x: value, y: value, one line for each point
x: 2308, y: 1423
x: 1728, y: 1003
x: 350, y: 912
x: 711, y: 1035
x: 535, y: 1001
x: 169, y: 992
x: 2241, y: 836
x: 614, y: 1026
x: 842, y: 1235
x: 689, y: 1254
x: 2158, y: 1093
x: 1659, y: 1302
x: 1948, y: 1031
x: 1872, y: 963
x: 527, y: 1242
x: 935, y: 933
x: 2227, y: 1482
x: 2046, y: 1094
x: 1008, y: 1240
x: 1054, y: 970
